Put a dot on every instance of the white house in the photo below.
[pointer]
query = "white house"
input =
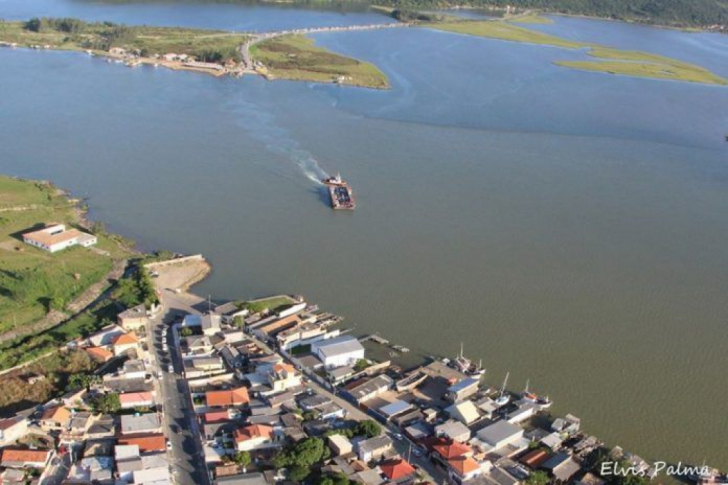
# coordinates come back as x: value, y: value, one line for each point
x: 55, y: 238
x: 12, y: 429
x: 339, y: 351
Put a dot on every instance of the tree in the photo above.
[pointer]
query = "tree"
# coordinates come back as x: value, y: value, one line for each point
x: 243, y: 459
x: 368, y: 428
x: 106, y: 403
x: 298, y: 473
x: 238, y: 322
x: 81, y: 381
x: 360, y: 365
x: 185, y: 332
x: 538, y: 478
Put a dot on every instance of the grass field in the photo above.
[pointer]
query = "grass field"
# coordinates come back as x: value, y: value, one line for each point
x: 32, y: 281
x: 296, y: 57
x: 644, y: 64
x: 504, y: 31
x: 273, y: 303
x: 607, y: 59
x: 146, y: 39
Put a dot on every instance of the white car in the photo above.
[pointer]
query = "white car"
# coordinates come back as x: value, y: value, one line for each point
x: 398, y: 436
x: 170, y: 369
x: 169, y: 445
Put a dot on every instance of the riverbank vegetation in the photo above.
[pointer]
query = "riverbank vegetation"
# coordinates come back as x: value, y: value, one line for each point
x: 33, y: 282
x: 606, y: 59
x: 75, y: 34
x: 297, y: 57
x: 676, y: 13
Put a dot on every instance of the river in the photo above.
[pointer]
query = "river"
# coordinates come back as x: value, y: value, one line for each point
x: 568, y: 227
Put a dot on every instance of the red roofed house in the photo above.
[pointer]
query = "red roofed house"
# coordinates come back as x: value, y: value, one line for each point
x: 99, y: 354
x: 145, y: 442
x: 216, y: 417
x: 231, y: 397
x: 397, y: 470
x: 253, y: 437
x: 25, y: 458
x: 463, y: 468
x: 132, y: 400
x: 448, y: 449
x: 55, y: 419
x: 125, y: 342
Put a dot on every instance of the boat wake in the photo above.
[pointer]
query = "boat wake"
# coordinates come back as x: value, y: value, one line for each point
x: 261, y: 126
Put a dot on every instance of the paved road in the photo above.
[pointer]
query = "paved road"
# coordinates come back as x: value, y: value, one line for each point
x: 180, y: 421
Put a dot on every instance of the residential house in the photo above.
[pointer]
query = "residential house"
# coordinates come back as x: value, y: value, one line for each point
x: 125, y: 344
x: 371, y: 388
x: 56, y: 237
x: 229, y: 311
x: 395, y: 408
x: 305, y: 333
x: 374, y: 448
x: 524, y: 412
x: 133, y: 318
x: 397, y: 470
x: 140, y: 423
x: 464, y: 411
x: 14, y: 458
x: 197, y: 344
x: 283, y: 377
x: 210, y: 323
x: 463, y: 389
x: 339, y: 351
x: 340, y: 445
x: 147, y: 442
x: 106, y: 336
x: 12, y: 429
x: 227, y: 398
x: 269, y: 330
x: 500, y: 434
x: 463, y: 468
x: 562, y: 467
x: 99, y: 354
x: 454, y: 430
x: 569, y: 424
x: 55, y: 418
x: 133, y: 400
x: 254, y: 437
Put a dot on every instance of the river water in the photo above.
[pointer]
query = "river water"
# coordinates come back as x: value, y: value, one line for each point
x: 568, y: 227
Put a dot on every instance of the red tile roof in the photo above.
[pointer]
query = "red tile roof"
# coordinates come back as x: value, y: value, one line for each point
x: 396, y: 469
x: 253, y: 431
x: 233, y: 397
x: 217, y: 417
x: 25, y: 456
x: 58, y: 414
x: 463, y: 465
x: 99, y: 354
x: 126, y: 339
x: 451, y: 449
x: 135, y: 397
x: 146, y: 442
x: 534, y: 458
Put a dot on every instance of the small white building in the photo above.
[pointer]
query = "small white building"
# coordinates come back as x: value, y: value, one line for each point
x: 339, y: 351
x: 55, y: 238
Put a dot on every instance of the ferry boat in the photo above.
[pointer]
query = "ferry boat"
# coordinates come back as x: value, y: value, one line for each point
x: 342, y: 197
x: 542, y: 402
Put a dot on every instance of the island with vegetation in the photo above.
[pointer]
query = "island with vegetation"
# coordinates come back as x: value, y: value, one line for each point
x: 603, y: 59
x: 296, y: 57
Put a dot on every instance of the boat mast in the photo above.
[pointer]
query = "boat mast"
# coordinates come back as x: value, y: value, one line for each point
x: 503, y: 389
